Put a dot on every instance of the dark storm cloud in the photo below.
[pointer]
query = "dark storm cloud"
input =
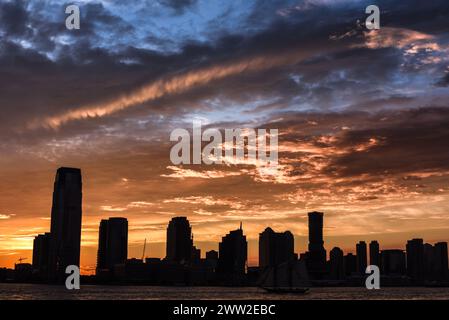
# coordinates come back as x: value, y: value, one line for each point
x: 26, y: 21
x: 387, y: 143
x: 13, y: 18
x: 444, y: 81
x: 95, y: 14
x: 179, y: 6
x: 425, y: 16
x: 410, y: 141
x: 83, y: 72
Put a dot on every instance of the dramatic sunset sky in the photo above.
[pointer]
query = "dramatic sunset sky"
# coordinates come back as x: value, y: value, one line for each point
x: 363, y: 118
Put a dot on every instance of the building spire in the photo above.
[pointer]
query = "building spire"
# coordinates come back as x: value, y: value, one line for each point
x: 241, y: 225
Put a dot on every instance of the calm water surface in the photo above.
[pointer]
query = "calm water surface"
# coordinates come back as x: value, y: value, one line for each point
x: 89, y: 292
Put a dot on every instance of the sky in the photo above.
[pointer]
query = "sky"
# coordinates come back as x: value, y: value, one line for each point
x: 363, y: 118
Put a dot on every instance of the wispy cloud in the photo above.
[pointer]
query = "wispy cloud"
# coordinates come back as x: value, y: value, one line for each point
x: 182, y: 173
x: 113, y: 209
x: 172, y: 85
x: 207, y: 200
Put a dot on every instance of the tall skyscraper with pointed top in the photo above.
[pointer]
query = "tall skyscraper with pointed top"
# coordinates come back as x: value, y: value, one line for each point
x: 233, y: 254
x: 66, y: 215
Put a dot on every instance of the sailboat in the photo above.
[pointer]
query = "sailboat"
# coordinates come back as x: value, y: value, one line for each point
x: 288, y: 277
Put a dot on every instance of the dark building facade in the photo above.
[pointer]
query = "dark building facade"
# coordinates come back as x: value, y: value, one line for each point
x: 336, y: 264
x: 233, y: 251
x: 275, y: 248
x: 112, y: 244
x: 361, y: 257
x: 429, y: 261
x: 65, y: 222
x: 195, y: 256
x: 212, y: 255
x: 212, y: 259
x: 393, y: 262
x: 41, y: 250
x: 435, y: 261
x: 415, y: 259
x: 374, y: 253
x: 316, y: 255
x: 179, y: 240
x: 441, y: 261
x: 350, y: 264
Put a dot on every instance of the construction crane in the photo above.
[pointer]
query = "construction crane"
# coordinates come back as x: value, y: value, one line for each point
x: 144, y: 247
x: 21, y: 259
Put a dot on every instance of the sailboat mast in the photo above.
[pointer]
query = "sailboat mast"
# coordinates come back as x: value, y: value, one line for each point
x: 275, y: 273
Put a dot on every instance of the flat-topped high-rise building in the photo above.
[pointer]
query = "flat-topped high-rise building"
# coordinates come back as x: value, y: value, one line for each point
x: 41, y: 250
x: 441, y: 261
x: 350, y: 262
x: 374, y: 253
x: 316, y: 255
x: 112, y: 244
x: 393, y: 262
x: 436, y: 261
x: 415, y: 259
x: 66, y: 215
x: 361, y: 257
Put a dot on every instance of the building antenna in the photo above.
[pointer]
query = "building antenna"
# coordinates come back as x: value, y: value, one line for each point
x: 241, y: 225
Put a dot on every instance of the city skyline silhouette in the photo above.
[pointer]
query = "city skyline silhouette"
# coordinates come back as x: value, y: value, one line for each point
x: 158, y: 248
x: 362, y: 117
x: 54, y: 250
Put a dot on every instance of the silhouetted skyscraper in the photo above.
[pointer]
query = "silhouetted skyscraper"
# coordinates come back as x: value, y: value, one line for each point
x: 441, y: 261
x: 275, y: 248
x: 232, y: 258
x: 374, y: 253
x: 112, y: 244
x: 41, y: 250
x: 316, y: 256
x: 392, y: 262
x: 361, y: 257
x: 435, y: 261
x: 195, y: 256
x: 415, y: 259
x: 350, y: 264
x: 336, y: 264
x: 179, y: 240
x: 65, y: 222
x: 429, y: 261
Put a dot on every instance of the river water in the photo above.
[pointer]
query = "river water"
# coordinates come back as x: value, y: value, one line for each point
x: 91, y: 292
